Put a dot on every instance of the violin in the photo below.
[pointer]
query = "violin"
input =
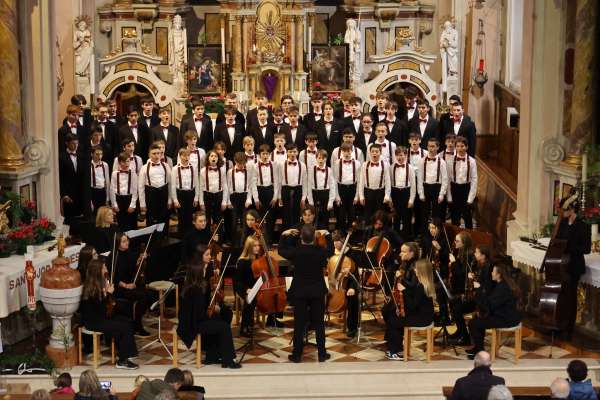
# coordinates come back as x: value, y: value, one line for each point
x: 218, y: 294
x: 377, y: 248
x: 397, y: 295
x: 336, y: 299
x: 321, y: 240
x: 271, y: 297
x: 215, y: 251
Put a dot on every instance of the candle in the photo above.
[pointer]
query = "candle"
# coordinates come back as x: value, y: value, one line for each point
x: 254, y: 47
x: 481, y: 64
x: 222, y: 43
x: 308, y: 53
x: 584, y: 167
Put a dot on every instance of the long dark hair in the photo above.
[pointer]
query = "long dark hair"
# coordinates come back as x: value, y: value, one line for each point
x: 485, y: 250
x: 465, y: 254
x: 506, y: 274
x: 86, y: 254
x: 195, y: 275
x: 94, y: 281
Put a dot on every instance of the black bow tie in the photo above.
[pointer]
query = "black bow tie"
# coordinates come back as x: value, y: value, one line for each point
x: 347, y: 161
x: 293, y: 163
x: 461, y: 158
x: 230, y: 126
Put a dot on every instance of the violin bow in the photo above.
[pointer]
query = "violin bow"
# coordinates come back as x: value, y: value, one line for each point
x: 220, y: 280
x: 145, y: 253
x: 112, y: 264
x: 215, y: 232
x: 264, y: 217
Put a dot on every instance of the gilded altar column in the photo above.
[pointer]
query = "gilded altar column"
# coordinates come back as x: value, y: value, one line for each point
x: 299, y: 44
x: 237, y: 44
x: 11, y: 156
x: 582, y: 108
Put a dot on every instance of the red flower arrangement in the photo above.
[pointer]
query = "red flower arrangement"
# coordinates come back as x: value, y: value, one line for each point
x: 592, y: 215
x: 36, y: 232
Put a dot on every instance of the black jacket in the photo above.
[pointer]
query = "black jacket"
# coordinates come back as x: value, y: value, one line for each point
x: 205, y: 137
x: 443, y: 253
x: 467, y: 130
x: 243, y: 278
x: 335, y: 135
x: 239, y: 119
x: 141, y: 144
x: 259, y: 138
x: 431, y: 129
x: 579, y: 242
x: 399, y: 133
x: 310, y: 121
x: 192, y: 313
x: 192, y: 239
x: 151, y: 122
x: 499, y: 304
x: 252, y: 118
x: 221, y: 135
x: 74, y: 183
x: 64, y: 130
x: 172, y: 144
x: 476, y: 385
x: 300, y: 134
x: 418, y: 305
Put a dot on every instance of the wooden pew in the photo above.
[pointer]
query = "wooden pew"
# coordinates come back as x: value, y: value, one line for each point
x: 520, y: 392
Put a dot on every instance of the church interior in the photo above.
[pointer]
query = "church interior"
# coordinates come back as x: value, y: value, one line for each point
x: 447, y: 158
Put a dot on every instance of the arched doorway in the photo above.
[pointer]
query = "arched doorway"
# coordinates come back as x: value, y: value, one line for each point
x: 396, y: 92
x: 130, y: 94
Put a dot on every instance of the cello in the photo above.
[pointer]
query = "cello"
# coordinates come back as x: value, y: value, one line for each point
x: 336, y: 299
x: 552, y: 307
x: 377, y: 249
x: 271, y: 297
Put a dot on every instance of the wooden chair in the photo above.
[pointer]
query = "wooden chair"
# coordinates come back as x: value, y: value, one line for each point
x: 497, y: 338
x: 408, y: 330
x: 161, y: 287
x: 95, y: 346
x: 176, y: 349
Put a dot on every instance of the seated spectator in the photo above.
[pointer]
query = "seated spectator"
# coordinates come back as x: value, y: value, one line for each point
x: 499, y: 392
x: 559, y: 389
x: 580, y: 388
x: 166, y: 395
x: 138, y: 384
x: 63, y: 384
x: 188, y: 391
x: 40, y: 394
x: 477, y: 384
x: 150, y: 390
x: 90, y: 389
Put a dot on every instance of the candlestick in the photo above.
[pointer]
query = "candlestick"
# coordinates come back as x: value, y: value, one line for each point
x: 584, y: 167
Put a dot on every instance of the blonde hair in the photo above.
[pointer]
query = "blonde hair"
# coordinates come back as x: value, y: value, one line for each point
x: 424, y: 272
x: 140, y: 379
x: 88, y: 382
x: 188, y: 378
x: 247, y: 252
x: 102, y: 216
x: 40, y: 394
x: 247, y: 139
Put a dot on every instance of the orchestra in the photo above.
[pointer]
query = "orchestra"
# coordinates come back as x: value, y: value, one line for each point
x: 340, y: 203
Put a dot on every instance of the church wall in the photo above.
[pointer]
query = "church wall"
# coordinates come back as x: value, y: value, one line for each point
x: 65, y: 12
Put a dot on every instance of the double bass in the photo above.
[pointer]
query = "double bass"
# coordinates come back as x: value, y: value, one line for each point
x: 552, y: 307
x: 271, y: 297
x: 336, y: 299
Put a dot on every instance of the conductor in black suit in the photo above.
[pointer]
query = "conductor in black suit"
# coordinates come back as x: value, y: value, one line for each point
x: 578, y: 235
x: 463, y: 125
x: 307, y: 292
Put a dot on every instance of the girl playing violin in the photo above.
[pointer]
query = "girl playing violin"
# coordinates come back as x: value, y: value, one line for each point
x: 435, y: 248
x: 194, y: 316
x: 93, y: 307
x: 417, y: 308
x: 243, y: 281
x: 126, y: 288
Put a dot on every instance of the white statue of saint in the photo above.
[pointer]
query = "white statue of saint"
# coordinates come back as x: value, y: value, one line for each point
x: 83, y: 47
x: 178, y: 54
x: 450, y: 63
x: 353, y: 39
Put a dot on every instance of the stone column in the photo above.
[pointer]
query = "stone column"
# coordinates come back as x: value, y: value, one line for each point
x: 11, y: 156
x: 245, y: 42
x: 582, y: 108
x: 237, y: 44
x: 299, y: 44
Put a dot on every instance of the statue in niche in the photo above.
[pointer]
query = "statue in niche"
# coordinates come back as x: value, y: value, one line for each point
x: 177, y: 55
x: 450, y: 63
x: 83, y: 47
x: 353, y: 39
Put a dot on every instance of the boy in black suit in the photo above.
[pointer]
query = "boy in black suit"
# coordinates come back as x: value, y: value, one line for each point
x: 199, y: 123
x: 424, y: 123
x: 279, y: 125
x: 410, y: 104
x: 232, y: 101
x: 353, y: 120
x: 366, y: 133
x: 149, y: 116
x: 316, y: 115
x: 462, y: 125
x: 97, y: 140
x: 378, y: 111
x: 110, y: 133
x: 231, y: 132
x: 260, y: 100
x: 344, y: 111
x: 297, y: 130
x: 329, y: 130
x: 73, y: 173
x: 99, y: 180
x: 71, y: 126
x: 262, y: 131
x: 396, y: 127
x: 167, y: 132
x: 138, y: 132
x: 445, y: 125
x: 287, y: 102
x: 112, y: 113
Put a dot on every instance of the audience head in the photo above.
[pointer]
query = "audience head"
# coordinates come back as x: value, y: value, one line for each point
x: 577, y: 371
x: 140, y: 379
x: 86, y: 254
x: 40, y: 394
x: 89, y: 383
x: 175, y: 378
x: 64, y: 380
x: 165, y: 395
x: 482, y: 359
x: 560, y: 389
x: 188, y: 378
x: 499, y: 392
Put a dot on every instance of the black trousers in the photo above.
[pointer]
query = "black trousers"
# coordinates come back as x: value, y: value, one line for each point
x: 373, y: 202
x: 291, y: 196
x: 352, y: 309
x: 394, y: 326
x: 569, y: 288
x: 442, y: 300
x: 346, y: 212
x: 212, y: 204
x: 217, y: 339
x: 127, y: 221
x: 157, y: 205
x: 75, y: 209
x: 309, y: 310
x: 186, y: 211
x: 477, y: 327
x: 98, y: 199
x: 265, y: 196
x: 121, y: 329
x: 236, y: 227
x: 131, y: 296
x: 400, y: 198
x: 320, y: 200
x: 459, y: 307
x: 430, y: 207
x: 459, y: 207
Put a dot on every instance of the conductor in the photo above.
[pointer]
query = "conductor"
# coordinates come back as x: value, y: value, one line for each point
x: 308, y: 290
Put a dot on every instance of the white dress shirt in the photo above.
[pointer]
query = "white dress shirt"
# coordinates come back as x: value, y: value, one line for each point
x: 213, y: 180
x: 431, y: 175
x: 123, y: 183
x: 404, y: 176
x: 462, y: 170
x: 374, y: 176
x: 324, y: 181
x: 388, y: 151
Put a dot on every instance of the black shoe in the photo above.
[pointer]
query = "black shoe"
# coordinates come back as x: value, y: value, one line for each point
x: 211, y: 361
x: 273, y: 322
x: 232, y: 365
x: 464, y: 341
x: 455, y: 335
x: 472, y: 350
x: 141, y: 332
x: 126, y: 364
x: 294, y: 358
x: 351, y: 333
x: 324, y: 357
x: 471, y: 356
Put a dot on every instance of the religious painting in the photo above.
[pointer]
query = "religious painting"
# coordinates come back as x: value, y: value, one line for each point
x: 329, y: 69
x: 162, y: 44
x: 212, y: 28
x: 321, y: 29
x: 204, y: 69
x: 566, y: 190
x: 370, y: 44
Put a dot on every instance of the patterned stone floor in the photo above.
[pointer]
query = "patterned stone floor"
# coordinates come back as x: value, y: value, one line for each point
x: 275, y: 344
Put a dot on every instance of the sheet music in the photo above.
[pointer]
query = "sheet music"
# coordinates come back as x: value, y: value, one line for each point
x: 145, y: 231
x: 254, y: 290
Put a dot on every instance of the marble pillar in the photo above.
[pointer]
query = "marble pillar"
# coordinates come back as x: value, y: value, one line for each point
x: 299, y: 45
x: 582, y: 108
x: 245, y: 42
x: 237, y: 44
x: 11, y: 156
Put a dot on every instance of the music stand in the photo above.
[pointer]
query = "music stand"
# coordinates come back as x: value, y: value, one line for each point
x: 444, y: 330
x: 360, y: 308
x: 157, y: 303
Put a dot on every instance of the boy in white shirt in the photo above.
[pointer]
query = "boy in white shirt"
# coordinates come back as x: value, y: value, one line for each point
x: 432, y: 182
x: 292, y: 181
x: 404, y: 190
x: 153, y: 188
x: 185, y: 191
x: 124, y: 193
x: 347, y: 172
x: 374, y: 186
x: 321, y: 189
x: 348, y: 137
x: 100, y: 180
x: 462, y: 174
x: 388, y: 148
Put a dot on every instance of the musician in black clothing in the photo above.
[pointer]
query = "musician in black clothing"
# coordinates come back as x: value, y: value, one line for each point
x: 194, y: 318
x: 462, y: 303
x: 307, y: 292
x: 498, y: 308
x: 435, y: 248
x: 199, y: 234
x: 94, y: 316
x: 381, y: 227
x: 243, y: 281
x: 417, y: 298
x: 578, y: 235
x: 126, y: 288
x: 351, y: 288
x: 104, y: 234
